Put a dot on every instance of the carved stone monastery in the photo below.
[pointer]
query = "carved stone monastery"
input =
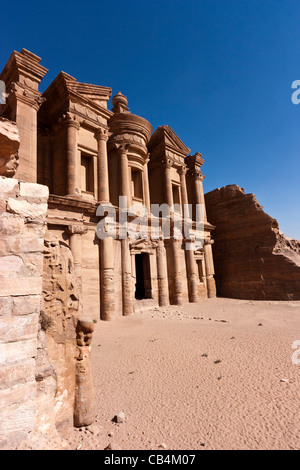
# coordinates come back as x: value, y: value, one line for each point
x: 63, y: 154
x: 56, y: 274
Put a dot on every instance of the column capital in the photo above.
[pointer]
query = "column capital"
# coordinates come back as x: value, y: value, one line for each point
x: 167, y: 163
x: 101, y: 134
x: 31, y: 97
x: 122, y: 148
x: 70, y: 120
x: 198, y: 175
x: 182, y: 170
x: 76, y: 230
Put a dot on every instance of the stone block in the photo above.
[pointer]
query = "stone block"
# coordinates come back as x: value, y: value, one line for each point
x: 6, y: 306
x: 33, y: 263
x: 33, y: 190
x: 24, y: 286
x: 26, y: 209
x: 18, y: 328
x: 16, y: 421
x: 2, y: 205
x: 24, y: 244
x: 8, y: 186
x: 25, y: 305
x: 10, y: 266
x: 20, y: 393
x: 13, y: 374
x: 15, y: 352
x: 11, y: 224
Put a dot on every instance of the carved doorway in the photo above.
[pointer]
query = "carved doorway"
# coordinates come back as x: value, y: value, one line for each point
x: 142, y: 276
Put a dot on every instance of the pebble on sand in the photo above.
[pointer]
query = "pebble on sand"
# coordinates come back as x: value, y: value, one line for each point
x: 113, y: 446
x: 120, y: 417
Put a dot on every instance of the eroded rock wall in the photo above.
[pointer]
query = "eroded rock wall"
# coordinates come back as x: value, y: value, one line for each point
x: 45, y: 343
x: 23, y: 208
x: 253, y: 259
x: 67, y: 338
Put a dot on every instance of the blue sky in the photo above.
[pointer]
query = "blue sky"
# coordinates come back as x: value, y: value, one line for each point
x: 219, y: 72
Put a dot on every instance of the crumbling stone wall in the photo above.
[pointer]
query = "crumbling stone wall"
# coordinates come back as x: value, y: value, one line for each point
x: 45, y: 343
x: 23, y: 208
x: 253, y: 259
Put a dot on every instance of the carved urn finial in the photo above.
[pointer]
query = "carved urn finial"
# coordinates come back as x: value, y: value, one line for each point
x: 120, y: 102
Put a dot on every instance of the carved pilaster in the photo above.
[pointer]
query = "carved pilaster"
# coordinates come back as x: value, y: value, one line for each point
x: 73, y: 163
x: 124, y: 172
x: 192, y: 277
x: 147, y: 201
x: 107, y: 266
x: 127, y: 292
x: 162, y: 275
x: 167, y: 165
x: 22, y: 75
x: 184, y: 194
x: 209, y: 267
x: 102, y: 166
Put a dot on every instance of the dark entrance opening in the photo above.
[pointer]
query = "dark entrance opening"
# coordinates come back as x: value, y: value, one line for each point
x: 142, y: 275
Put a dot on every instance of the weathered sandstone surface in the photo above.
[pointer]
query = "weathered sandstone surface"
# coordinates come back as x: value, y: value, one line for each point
x: 45, y: 342
x: 9, y: 146
x: 253, y: 259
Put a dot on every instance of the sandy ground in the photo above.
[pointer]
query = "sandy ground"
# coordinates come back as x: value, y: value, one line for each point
x: 213, y: 375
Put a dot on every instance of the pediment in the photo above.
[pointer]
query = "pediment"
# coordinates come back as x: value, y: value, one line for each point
x: 65, y: 90
x: 165, y: 136
x: 95, y: 93
x: 66, y: 84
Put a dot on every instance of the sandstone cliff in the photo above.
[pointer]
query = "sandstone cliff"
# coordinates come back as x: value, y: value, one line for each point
x: 253, y: 259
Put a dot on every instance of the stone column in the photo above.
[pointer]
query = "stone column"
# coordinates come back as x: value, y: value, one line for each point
x: 22, y: 76
x: 168, y: 183
x: 184, y: 194
x: 44, y: 170
x: 107, y: 293
x: 199, y: 193
x: 73, y: 163
x: 147, y: 202
x: 176, y: 293
x: 192, y: 277
x: 130, y: 194
x: 125, y: 189
x: 209, y: 268
x: 127, y: 293
x: 102, y: 166
x: 162, y: 275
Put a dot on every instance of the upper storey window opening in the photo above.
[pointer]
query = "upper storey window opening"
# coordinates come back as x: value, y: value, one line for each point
x: 87, y: 173
x: 176, y: 198
x: 137, y: 184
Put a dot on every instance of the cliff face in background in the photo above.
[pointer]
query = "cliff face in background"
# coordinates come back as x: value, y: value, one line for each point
x: 253, y: 259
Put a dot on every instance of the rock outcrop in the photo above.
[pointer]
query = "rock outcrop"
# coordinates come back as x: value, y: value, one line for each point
x: 21, y: 273
x: 45, y: 342
x: 253, y: 259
